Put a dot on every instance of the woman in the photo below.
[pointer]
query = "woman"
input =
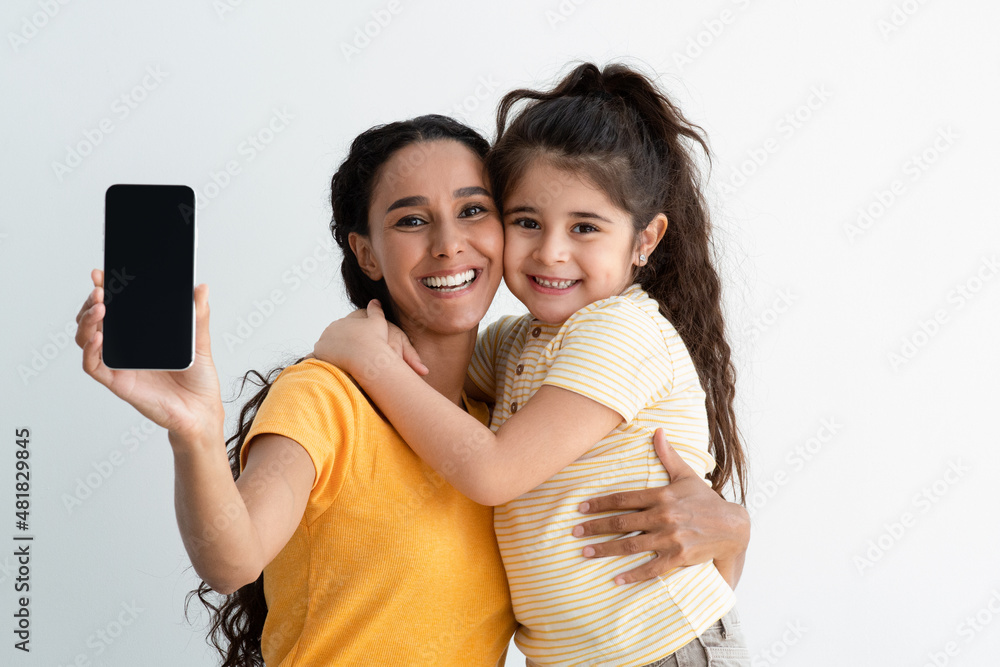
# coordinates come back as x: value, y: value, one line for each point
x: 350, y: 528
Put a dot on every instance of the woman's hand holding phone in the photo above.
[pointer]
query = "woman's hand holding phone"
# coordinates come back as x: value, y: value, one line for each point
x: 187, y: 403
x: 259, y: 517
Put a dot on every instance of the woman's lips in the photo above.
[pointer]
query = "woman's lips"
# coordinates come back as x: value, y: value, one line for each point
x: 454, y: 283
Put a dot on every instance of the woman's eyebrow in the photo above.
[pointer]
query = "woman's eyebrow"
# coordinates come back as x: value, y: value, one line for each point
x: 470, y: 191
x: 417, y: 200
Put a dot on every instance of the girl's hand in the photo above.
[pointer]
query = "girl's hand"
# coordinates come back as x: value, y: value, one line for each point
x: 187, y: 403
x: 357, y: 343
x: 685, y: 523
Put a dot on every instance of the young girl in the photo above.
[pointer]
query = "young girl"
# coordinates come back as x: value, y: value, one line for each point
x: 607, y: 244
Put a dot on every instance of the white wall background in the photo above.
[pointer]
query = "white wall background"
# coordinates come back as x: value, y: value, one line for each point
x: 875, y: 534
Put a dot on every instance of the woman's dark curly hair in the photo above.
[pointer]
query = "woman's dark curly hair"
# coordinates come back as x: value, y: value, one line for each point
x: 237, y: 620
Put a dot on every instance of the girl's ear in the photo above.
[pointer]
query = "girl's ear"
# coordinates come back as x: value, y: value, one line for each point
x: 649, y: 238
x: 361, y: 246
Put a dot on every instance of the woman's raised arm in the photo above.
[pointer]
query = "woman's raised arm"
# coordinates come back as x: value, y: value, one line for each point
x: 230, y: 529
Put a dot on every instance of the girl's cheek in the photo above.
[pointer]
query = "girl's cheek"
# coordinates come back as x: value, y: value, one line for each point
x: 508, y: 262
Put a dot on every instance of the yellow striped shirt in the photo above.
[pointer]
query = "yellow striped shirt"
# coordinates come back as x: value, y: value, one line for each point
x: 623, y: 354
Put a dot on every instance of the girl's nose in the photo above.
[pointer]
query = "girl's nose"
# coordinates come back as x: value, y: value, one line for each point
x: 551, y: 249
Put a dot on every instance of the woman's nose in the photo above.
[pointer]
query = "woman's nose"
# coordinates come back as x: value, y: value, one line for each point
x: 448, y: 240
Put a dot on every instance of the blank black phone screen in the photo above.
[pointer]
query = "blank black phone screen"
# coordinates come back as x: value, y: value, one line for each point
x: 149, y: 244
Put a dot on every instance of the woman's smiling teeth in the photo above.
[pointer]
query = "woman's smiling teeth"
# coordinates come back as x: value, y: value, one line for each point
x: 450, y: 283
x: 556, y: 284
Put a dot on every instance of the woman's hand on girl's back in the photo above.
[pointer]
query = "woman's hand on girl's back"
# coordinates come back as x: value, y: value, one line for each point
x: 685, y: 523
x: 187, y: 403
x: 355, y: 343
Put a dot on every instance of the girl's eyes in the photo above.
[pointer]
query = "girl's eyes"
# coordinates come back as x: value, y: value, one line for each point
x: 581, y: 227
x: 526, y: 223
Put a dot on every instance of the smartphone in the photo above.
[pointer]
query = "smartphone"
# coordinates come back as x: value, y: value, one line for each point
x: 149, y: 261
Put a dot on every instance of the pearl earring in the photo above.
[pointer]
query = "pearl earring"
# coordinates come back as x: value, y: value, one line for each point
x: 642, y: 258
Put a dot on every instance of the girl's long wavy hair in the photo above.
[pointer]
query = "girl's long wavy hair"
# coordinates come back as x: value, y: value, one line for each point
x: 619, y: 130
x: 237, y: 620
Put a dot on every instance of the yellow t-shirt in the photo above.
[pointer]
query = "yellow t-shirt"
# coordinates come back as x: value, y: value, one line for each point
x: 390, y: 565
x: 623, y: 354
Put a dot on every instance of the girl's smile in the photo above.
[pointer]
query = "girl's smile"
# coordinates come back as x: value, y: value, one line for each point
x: 567, y: 244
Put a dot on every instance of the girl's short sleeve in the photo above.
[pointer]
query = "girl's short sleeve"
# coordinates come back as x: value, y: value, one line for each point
x: 613, y: 353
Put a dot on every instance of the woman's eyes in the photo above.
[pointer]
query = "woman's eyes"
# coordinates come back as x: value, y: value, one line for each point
x: 475, y: 208
x: 410, y: 221
x: 416, y: 221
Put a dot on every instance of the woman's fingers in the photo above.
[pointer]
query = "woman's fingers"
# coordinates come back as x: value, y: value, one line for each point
x: 663, y: 563
x: 618, y: 524
x: 85, y: 329
x: 654, y: 568
x: 92, y: 363
x: 88, y: 321
x: 87, y: 304
x: 676, y: 467
x: 624, y: 500
x: 202, y: 340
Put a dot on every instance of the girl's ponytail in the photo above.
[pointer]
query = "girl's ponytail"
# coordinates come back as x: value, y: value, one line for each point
x: 634, y: 143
